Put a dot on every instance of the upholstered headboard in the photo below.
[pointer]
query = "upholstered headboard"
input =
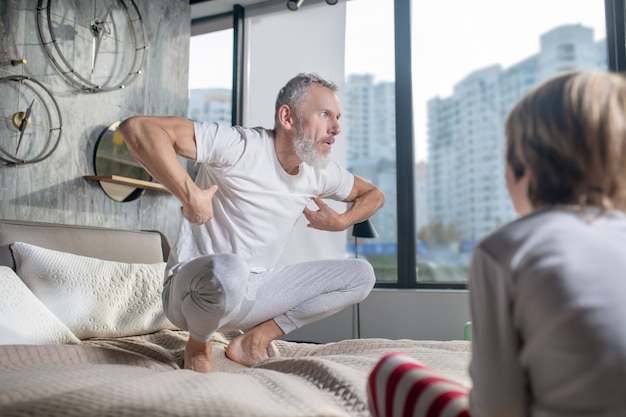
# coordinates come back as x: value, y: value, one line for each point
x: 122, y: 245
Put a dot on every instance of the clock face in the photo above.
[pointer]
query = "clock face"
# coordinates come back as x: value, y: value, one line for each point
x: 97, y: 45
x: 31, y: 125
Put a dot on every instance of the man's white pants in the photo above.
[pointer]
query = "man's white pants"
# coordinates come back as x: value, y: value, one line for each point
x: 218, y: 293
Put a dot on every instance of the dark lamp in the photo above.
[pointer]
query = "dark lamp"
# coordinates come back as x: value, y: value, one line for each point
x: 364, y: 229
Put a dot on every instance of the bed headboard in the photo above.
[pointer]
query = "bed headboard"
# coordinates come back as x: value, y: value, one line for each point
x: 122, y: 245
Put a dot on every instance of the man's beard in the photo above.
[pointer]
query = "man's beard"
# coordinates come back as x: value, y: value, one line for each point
x: 306, y: 149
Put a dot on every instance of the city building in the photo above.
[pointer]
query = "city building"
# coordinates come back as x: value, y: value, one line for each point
x: 466, y: 187
x: 369, y: 130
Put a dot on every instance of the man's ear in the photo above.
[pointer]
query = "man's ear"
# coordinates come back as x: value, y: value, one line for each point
x: 286, y: 117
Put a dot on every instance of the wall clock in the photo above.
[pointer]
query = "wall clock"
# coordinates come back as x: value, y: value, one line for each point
x: 96, y: 45
x: 31, y: 124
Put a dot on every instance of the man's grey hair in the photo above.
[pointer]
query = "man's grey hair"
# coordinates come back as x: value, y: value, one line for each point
x: 295, y: 91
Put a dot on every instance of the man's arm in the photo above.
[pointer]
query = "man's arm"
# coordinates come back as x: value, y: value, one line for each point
x: 156, y: 142
x: 366, y: 199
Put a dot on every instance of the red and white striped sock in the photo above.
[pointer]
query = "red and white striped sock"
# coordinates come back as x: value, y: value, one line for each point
x: 400, y: 386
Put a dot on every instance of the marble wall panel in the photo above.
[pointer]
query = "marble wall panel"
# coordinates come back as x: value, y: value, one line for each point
x: 54, y: 190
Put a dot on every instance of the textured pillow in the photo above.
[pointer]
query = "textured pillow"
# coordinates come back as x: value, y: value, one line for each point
x: 94, y: 297
x: 401, y: 386
x: 24, y: 320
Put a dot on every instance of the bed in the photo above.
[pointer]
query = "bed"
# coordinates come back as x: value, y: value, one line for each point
x: 55, y: 363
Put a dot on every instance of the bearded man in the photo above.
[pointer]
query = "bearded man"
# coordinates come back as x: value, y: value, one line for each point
x: 251, y: 187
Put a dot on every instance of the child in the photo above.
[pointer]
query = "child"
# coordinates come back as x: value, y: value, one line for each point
x: 548, y: 291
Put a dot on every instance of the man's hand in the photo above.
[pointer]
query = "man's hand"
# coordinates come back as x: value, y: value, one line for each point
x: 201, y: 211
x: 323, y: 219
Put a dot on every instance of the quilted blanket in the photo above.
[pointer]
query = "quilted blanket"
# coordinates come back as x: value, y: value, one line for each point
x: 142, y: 376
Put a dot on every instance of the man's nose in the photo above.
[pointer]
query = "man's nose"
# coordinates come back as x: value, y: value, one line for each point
x: 335, y: 128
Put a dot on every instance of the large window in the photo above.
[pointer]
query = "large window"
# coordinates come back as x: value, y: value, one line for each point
x: 457, y: 67
x: 470, y: 68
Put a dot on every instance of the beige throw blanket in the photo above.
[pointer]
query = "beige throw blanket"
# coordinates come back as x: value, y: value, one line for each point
x: 141, y: 376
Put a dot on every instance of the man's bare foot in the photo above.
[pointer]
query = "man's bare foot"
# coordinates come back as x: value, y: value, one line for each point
x: 245, y: 351
x: 198, y: 356
x: 250, y: 348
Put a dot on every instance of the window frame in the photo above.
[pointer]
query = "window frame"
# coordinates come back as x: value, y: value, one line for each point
x: 615, y: 36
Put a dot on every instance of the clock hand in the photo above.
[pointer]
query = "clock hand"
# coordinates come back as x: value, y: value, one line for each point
x: 23, y: 125
x: 108, y: 13
x: 98, y: 27
x: 95, y: 49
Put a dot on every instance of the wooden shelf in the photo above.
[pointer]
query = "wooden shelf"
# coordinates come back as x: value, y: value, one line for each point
x: 131, y: 182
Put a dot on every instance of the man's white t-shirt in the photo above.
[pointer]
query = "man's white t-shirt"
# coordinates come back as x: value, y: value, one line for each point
x: 257, y: 203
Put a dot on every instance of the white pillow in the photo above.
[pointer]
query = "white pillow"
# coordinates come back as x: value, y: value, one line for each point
x: 24, y: 320
x: 94, y: 297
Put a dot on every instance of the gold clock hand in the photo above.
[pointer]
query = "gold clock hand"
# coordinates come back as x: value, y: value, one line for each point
x: 23, y: 125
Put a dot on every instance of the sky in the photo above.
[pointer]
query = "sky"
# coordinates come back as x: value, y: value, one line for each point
x: 450, y: 39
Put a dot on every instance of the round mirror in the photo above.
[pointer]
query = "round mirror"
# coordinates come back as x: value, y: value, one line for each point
x: 112, y: 158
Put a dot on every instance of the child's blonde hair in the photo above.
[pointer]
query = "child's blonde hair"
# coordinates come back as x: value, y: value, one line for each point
x: 570, y: 132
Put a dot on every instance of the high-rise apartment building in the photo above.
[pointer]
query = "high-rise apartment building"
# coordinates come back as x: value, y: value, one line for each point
x: 466, y: 142
x: 369, y: 126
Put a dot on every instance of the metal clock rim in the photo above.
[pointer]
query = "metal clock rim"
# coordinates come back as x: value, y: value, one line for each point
x: 71, y: 75
x: 47, y: 150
